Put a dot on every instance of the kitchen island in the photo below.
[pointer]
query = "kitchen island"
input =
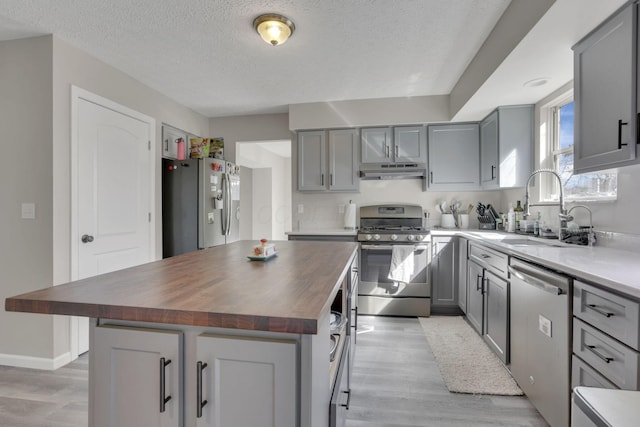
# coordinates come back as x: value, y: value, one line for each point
x: 212, y: 338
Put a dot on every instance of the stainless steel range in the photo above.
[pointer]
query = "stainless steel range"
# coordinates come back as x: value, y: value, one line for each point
x: 387, y: 232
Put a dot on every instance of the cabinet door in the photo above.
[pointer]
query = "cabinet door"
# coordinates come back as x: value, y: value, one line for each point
x: 410, y: 144
x: 173, y: 140
x: 247, y: 382
x: 462, y: 273
x: 475, y: 297
x: 496, y: 321
x: 444, y: 291
x: 375, y: 145
x: 454, y: 152
x: 515, y: 145
x: 489, y: 151
x: 311, y: 160
x: 605, y: 94
x: 127, y: 370
x: 343, y: 160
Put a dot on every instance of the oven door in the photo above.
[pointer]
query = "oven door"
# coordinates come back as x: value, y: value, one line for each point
x: 375, y: 260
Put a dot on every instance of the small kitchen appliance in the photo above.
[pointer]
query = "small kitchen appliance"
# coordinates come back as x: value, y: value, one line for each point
x: 381, y: 228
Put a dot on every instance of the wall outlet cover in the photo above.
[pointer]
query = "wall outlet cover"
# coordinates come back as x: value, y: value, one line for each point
x: 544, y: 325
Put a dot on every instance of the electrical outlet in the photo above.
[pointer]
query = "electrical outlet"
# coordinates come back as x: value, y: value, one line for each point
x: 300, y: 208
x: 341, y: 209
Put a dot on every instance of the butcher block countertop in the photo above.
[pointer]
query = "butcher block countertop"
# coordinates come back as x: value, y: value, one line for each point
x: 215, y: 287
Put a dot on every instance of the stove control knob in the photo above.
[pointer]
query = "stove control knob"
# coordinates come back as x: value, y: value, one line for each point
x: 376, y: 237
x: 369, y: 237
x: 419, y: 238
x: 393, y: 237
x: 410, y: 237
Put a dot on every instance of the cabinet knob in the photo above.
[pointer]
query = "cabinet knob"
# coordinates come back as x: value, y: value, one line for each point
x: 86, y: 238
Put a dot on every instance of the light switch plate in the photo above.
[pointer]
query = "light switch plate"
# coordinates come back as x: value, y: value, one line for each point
x: 210, y: 217
x: 28, y: 211
x: 341, y: 208
x: 544, y: 325
x: 300, y: 208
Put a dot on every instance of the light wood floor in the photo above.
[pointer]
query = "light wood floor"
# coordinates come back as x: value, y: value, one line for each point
x: 396, y: 382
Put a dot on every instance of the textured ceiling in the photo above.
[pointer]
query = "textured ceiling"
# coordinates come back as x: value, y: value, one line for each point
x: 206, y: 55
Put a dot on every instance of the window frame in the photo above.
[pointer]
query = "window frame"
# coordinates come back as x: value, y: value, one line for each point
x: 549, y: 151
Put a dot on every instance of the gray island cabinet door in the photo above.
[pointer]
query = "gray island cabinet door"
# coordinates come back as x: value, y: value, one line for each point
x: 605, y: 94
x: 127, y: 373
x: 454, y: 157
x: 247, y: 382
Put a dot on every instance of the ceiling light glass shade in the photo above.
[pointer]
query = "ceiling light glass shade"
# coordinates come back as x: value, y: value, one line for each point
x: 274, y: 29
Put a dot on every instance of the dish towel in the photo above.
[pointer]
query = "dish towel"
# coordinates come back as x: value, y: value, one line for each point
x: 401, y: 268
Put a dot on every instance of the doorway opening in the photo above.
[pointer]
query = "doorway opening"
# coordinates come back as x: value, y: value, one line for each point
x: 265, y: 173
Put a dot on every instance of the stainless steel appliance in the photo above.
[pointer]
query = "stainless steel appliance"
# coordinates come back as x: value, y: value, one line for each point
x: 200, y: 204
x: 219, y: 203
x: 540, y: 338
x: 381, y: 228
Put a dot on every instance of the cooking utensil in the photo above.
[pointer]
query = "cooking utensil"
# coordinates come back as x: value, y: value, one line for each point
x: 469, y: 209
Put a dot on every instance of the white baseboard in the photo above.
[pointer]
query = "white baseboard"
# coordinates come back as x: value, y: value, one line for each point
x: 35, y: 362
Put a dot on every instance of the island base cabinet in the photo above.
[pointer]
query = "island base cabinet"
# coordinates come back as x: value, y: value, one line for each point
x: 135, y: 377
x: 245, y: 383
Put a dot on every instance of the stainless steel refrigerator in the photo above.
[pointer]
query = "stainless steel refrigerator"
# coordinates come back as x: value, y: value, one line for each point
x: 200, y: 204
x: 219, y: 203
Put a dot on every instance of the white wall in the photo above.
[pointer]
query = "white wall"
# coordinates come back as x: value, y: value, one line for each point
x: 37, y: 75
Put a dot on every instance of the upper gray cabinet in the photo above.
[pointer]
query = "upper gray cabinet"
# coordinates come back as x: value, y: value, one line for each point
x: 406, y: 144
x: 605, y: 89
x: 454, y: 157
x: 174, y: 143
x: 506, y: 147
x: 340, y: 173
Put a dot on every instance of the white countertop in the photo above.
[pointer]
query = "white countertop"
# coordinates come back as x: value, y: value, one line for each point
x: 615, y: 269
x: 618, y: 408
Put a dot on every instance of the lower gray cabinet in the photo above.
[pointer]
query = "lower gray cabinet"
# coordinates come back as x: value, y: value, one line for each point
x: 245, y: 382
x: 138, y: 377
x: 475, y: 297
x: 444, y: 288
x: 496, y: 315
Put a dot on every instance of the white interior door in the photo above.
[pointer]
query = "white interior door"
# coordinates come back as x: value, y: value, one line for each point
x: 114, y: 186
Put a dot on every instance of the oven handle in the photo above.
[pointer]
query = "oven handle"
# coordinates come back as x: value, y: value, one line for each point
x: 389, y: 247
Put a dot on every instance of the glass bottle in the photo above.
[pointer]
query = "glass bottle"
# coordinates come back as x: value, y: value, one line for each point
x: 519, y: 211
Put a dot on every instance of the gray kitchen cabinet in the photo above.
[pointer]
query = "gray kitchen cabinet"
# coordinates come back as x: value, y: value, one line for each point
x: 340, y: 172
x: 312, y: 160
x: 410, y: 144
x: 605, y: 91
x: 462, y: 273
x: 475, y: 297
x: 488, y: 297
x: 407, y: 144
x: 134, y: 368
x: 174, y: 143
x: 343, y: 160
x: 606, y: 338
x: 454, y: 157
x: 444, y: 287
x: 496, y: 315
x: 246, y: 382
x: 375, y: 146
x: 506, y: 147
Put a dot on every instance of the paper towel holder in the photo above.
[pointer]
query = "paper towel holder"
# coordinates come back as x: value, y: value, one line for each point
x: 350, y: 216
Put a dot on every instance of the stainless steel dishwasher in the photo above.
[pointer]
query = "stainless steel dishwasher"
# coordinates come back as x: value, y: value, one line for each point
x: 540, y: 338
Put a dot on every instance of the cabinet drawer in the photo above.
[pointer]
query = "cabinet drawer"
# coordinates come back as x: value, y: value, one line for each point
x: 341, y: 393
x: 489, y: 258
x: 584, y: 375
x: 613, y: 314
x: 615, y: 361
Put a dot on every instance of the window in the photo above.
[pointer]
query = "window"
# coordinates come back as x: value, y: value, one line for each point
x: 583, y: 187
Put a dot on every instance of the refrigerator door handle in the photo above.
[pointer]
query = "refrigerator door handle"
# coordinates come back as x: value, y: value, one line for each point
x: 227, y: 204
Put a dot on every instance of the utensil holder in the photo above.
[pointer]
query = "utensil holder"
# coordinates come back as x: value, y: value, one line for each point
x: 448, y: 221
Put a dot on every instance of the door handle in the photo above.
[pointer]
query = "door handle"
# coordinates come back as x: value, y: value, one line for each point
x: 620, y: 124
x: 199, y: 402
x: 86, y: 238
x: 493, y: 172
x: 163, y: 397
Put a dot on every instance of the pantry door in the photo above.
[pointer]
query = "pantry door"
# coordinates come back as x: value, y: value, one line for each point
x: 112, y: 191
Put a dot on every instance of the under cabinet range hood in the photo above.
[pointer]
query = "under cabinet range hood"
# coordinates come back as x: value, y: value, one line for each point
x: 395, y: 171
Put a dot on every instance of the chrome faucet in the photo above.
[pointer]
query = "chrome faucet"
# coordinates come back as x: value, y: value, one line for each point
x: 563, y: 211
x: 591, y: 237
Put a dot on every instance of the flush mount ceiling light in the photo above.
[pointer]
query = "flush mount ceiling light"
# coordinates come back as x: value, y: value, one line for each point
x: 273, y: 28
x: 536, y: 82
